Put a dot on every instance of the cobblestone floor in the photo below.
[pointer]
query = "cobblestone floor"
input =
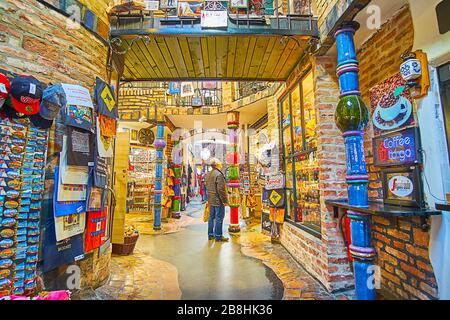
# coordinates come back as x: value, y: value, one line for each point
x: 142, y: 276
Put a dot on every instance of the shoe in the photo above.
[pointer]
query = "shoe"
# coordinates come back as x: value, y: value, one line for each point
x: 223, y: 239
x: 210, y: 237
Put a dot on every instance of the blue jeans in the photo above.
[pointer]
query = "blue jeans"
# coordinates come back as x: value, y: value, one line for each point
x: 215, y: 229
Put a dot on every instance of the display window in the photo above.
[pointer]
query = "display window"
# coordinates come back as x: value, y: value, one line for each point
x: 299, y: 138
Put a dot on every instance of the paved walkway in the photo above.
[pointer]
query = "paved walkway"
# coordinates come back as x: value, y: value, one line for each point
x: 180, y: 263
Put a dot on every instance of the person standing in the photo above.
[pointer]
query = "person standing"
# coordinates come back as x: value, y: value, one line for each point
x: 217, y: 199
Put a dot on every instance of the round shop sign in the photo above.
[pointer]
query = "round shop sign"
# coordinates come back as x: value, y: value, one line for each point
x: 401, y: 186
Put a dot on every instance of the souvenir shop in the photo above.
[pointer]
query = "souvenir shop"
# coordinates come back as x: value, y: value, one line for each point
x: 67, y: 202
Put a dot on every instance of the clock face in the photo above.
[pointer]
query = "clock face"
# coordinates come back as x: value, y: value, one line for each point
x: 146, y: 137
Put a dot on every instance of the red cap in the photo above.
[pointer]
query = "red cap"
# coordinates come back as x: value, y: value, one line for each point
x: 26, y: 94
x: 5, y: 86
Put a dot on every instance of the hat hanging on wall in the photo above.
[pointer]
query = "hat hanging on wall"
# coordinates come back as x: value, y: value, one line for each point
x: 53, y: 100
x: 25, y: 97
x: 5, y: 87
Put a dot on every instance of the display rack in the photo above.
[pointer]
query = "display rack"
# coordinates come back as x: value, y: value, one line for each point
x: 141, y: 179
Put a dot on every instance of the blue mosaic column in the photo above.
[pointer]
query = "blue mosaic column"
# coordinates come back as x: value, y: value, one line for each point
x: 351, y: 118
x: 160, y: 144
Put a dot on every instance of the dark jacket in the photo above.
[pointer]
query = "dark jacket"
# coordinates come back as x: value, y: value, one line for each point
x: 216, y: 188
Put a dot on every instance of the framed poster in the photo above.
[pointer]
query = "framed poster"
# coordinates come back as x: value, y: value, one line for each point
x: 392, y: 105
x: 189, y: 8
x: 239, y: 3
x: 214, y: 19
x: 151, y: 5
x: 187, y: 89
x: 397, y: 148
x: 168, y: 4
x: 174, y: 88
x: 402, y: 186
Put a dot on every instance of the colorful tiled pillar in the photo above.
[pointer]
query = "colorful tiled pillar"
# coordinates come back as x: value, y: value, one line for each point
x: 351, y: 118
x: 233, y: 159
x: 176, y: 203
x: 160, y: 144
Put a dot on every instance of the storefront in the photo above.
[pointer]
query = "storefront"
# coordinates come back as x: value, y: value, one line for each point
x: 299, y: 148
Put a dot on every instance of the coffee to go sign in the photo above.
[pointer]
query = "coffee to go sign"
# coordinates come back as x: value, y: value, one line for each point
x: 397, y: 148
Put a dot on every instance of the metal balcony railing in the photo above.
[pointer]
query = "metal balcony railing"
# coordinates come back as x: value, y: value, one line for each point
x: 245, y: 89
x: 295, y: 15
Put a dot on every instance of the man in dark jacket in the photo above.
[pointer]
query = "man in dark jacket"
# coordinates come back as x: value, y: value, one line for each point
x: 217, y: 200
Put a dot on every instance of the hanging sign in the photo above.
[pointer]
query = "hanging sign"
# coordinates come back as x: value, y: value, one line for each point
x: 69, y: 225
x: 398, y: 148
x: 77, y: 95
x: 277, y: 198
x: 105, y: 98
x: 62, y: 208
x: 80, y: 151
x: 275, y: 181
x: 96, y: 229
x: 214, y: 19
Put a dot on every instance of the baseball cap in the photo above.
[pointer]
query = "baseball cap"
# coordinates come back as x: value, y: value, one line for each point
x: 26, y: 94
x: 5, y: 87
x: 53, y: 100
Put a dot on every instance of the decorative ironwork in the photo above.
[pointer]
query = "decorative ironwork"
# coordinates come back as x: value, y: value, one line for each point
x: 214, y: 6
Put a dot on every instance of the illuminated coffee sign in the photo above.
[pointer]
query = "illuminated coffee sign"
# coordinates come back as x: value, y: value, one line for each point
x: 397, y: 148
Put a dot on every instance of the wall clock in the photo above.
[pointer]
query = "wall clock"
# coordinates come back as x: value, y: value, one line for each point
x: 146, y: 137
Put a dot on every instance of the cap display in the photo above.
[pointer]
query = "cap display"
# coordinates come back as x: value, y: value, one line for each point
x: 26, y: 94
x: 5, y: 87
x: 53, y: 100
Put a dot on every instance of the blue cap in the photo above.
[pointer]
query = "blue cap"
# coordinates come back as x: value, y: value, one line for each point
x: 53, y: 100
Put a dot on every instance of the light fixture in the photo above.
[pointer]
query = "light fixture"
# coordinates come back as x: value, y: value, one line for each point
x: 414, y: 70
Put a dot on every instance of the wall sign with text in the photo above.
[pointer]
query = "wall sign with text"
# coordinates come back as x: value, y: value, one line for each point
x: 397, y: 148
x: 402, y: 186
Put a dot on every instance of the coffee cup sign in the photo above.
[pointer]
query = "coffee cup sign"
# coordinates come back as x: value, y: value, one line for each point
x: 392, y: 105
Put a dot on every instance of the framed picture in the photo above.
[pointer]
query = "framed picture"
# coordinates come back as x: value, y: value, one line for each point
x: 392, y: 105
x: 239, y: 3
x: 134, y: 136
x: 397, y: 148
x: 174, y: 87
x: 187, y: 89
x: 402, y: 186
x: 151, y: 5
x: 168, y: 4
x: 190, y: 8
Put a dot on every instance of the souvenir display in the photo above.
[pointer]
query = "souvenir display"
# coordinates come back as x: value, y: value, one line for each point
x: 69, y: 225
x: 104, y: 145
x: 22, y: 168
x: 189, y: 8
x: 96, y: 229
x: 65, y: 207
x: 80, y: 148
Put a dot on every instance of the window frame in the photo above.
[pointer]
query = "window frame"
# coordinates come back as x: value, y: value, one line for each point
x: 293, y: 155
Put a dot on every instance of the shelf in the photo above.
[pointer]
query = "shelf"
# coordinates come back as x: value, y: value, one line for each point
x: 387, y: 211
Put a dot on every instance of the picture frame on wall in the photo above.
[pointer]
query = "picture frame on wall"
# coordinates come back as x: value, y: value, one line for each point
x: 151, y: 5
x: 402, y: 186
x: 168, y: 4
x: 239, y: 4
x: 134, y: 136
x: 189, y: 9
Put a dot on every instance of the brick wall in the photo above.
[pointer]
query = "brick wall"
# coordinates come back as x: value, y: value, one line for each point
x: 35, y: 41
x: 326, y: 257
x: 402, y: 249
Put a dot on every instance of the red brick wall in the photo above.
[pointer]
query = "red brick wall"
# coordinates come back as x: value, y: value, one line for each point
x: 402, y: 250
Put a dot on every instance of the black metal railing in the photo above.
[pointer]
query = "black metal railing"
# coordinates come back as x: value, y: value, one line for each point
x: 245, y: 89
x: 276, y: 14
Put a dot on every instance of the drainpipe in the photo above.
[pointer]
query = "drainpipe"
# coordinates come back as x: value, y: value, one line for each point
x: 351, y: 118
x: 160, y: 144
x: 233, y: 182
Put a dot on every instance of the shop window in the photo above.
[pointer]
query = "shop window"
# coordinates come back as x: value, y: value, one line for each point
x: 299, y: 138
